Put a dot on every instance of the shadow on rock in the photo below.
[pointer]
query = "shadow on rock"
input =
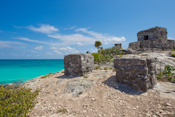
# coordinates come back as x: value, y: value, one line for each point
x: 111, y: 82
x: 66, y: 77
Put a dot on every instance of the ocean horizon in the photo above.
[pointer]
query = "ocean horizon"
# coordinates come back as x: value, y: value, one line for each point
x: 13, y: 70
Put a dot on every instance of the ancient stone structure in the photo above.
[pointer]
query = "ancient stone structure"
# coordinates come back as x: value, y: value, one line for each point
x: 137, y: 73
x: 78, y: 64
x: 152, y: 34
x: 154, y: 39
x: 119, y: 45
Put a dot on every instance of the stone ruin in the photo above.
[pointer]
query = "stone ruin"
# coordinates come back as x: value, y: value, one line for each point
x: 137, y: 73
x: 78, y: 64
x: 119, y: 45
x: 153, y: 39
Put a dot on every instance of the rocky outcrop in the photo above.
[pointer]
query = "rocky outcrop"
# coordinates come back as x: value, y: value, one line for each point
x: 78, y: 64
x: 77, y: 87
x: 137, y: 73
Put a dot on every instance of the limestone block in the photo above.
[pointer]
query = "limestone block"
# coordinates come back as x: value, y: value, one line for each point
x: 137, y: 73
x: 78, y: 64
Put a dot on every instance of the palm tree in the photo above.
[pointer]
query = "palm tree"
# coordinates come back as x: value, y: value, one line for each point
x: 97, y: 44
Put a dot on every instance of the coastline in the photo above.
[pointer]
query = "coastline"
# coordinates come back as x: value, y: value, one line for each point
x: 23, y: 70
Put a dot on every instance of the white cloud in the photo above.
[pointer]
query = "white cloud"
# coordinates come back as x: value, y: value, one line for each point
x: 49, y: 53
x: 69, y: 50
x: 82, y: 37
x: 104, y: 38
x: 44, y: 28
x: 93, y: 50
x: 170, y: 38
x: 38, y: 48
x: 57, y: 52
x: 78, y: 43
x: 73, y: 38
x: 11, y: 44
x: 53, y: 48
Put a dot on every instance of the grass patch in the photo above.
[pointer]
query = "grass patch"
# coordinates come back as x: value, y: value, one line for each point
x: 111, y: 68
x: 97, y: 67
x: 16, y: 102
x: 45, y: 76
x: 101, y: 69
x: 63, y: 110
x: 85, y: 77
x: 105, y: 68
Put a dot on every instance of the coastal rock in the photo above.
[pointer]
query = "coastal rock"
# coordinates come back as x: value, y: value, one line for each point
x: 78, y: 64
x: 137, y: 73
x: 77, y: 87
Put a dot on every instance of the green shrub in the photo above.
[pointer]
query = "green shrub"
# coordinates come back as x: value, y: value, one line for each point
x: 85, y: 77
x: 63, y: 110
x: 45, y: 76
x: 16, y: 102
x: 173, y: 55
x: 167, y: 74
x: 106, y: 55
x: 105, y: 68
x: 97, y: 67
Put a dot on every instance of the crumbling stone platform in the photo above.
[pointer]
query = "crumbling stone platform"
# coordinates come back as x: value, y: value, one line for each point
x: 78, y: 64
x: 153, y: 39
x: 137, y: 73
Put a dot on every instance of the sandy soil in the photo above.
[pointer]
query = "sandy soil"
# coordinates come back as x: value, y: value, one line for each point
x: 105, y: 99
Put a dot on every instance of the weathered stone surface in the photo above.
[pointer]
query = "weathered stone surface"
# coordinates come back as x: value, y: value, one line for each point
x: 77, y: 87
x: 78, y: 64
x: 153, y: 39
x: 152, y: 45
x: 137, y: 73
x: 166, y: 89
x: 152, y: 34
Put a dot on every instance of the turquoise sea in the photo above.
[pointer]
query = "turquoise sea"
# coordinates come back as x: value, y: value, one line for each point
x: 23, y: 70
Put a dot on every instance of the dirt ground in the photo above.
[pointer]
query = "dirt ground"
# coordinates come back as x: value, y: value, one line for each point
x: 105, y: 99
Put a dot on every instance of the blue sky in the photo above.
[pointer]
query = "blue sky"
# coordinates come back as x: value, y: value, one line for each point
x: 50, y: 29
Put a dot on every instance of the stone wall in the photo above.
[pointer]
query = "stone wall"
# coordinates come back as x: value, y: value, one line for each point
x: 153, y: 45
x: 152, y: 34
x: 78, y: 64
x: 137, y: 73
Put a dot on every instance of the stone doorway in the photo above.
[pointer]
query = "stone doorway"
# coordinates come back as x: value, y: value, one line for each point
x: 146, y: 37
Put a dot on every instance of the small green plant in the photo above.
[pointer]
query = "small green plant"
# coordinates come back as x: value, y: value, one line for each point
x: 85, y: 77
x: 173, y: 55
x: 16, y: 102
x: 167, y: 74
x: 105, y: 68
x: 63, y: 110
x: 101, y: 69
x: 45, y: 76
x: 111, y: 68
x: 97, y: 67
x: 62, y: 72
